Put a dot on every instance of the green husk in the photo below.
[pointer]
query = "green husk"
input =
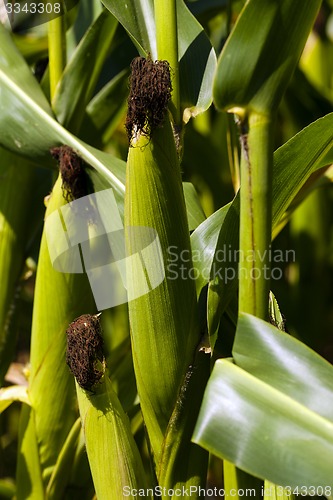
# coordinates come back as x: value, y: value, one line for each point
x: 164, y: 326
x: 59, y: 298
x: 114, y: 458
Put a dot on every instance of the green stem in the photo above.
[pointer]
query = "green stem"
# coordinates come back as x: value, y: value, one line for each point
x: 167, y: 47
x: 255, y: 216
x: 233, y: 151
x: 57, y: 51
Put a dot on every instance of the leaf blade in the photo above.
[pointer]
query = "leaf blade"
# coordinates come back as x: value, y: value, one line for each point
x: 233, y: 423
x: 264, y: 54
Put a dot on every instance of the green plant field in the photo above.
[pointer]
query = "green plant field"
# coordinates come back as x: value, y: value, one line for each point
x: 166, y: 236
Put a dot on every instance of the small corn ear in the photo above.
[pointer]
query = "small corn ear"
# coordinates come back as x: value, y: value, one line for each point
x: 114, y: 459
x: 59, y: 298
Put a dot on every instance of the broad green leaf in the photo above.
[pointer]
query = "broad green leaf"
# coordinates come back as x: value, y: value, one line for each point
x: 197, y: 59
x: 26, y: 122
x: 20, y: 96
x: 284, y: 363
x: 215, y: 241
x: 263, y: 431
x: 259, y: 58
x: 204, y: 242
x: 195, y: 214
x: 223, y: 279
x: 319, y: 179
x: 81, y: 74
x: 295, y: 161
x: 138, y: 20
x: 285, y: 391
x: 105, y: 110
x: 13, y: 393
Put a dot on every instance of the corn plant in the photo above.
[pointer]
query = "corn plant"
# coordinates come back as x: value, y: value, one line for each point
x: 159, y: 161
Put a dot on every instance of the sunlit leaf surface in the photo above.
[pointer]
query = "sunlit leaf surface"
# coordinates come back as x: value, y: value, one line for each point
x: 271, y: 413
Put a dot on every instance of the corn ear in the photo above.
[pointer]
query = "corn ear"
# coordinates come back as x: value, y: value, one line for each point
x: 163, y: 321
x: 59, y: 298
x: 113, y: 456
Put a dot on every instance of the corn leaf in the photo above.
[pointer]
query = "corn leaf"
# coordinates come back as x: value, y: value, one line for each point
x: 26, y: 122
x: 80, y: 76
x: 285, y: 363
x: 278, y: 398
x: 195, y: 214
x: 258, y: 59
x: 105, y: 110
x: 13, y: 393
